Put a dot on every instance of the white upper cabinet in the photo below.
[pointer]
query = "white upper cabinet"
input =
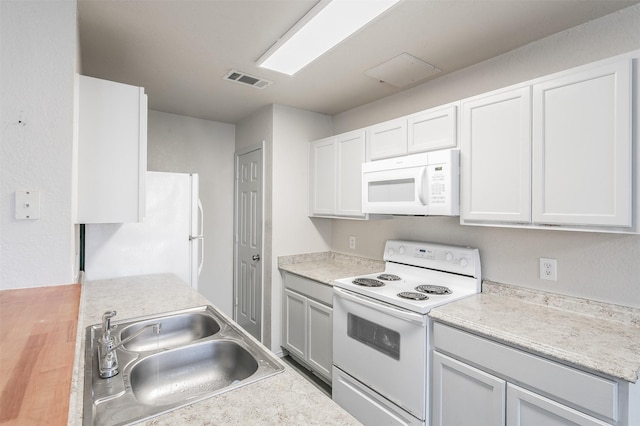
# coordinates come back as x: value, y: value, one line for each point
x: 335, y: 175
x: 350, y: 156
x: 433, y: 129
x: 582, y: 147
x: 495, y: 157
x: 322, y: 177
x: 428, y: 130
x: 112, y: 151
x: 555, y: 152
x: 388, y: 139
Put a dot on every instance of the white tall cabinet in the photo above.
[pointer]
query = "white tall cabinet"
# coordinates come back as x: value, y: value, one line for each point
x: 112, y: 151
x: 553, y: 152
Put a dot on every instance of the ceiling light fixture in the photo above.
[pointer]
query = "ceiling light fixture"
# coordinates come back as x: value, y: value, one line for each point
x: 327, y: 24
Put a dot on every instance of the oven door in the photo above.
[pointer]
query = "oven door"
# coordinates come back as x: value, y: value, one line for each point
x: 383, y: 347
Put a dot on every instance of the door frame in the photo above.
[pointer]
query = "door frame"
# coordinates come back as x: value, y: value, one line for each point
x: 258, y: 147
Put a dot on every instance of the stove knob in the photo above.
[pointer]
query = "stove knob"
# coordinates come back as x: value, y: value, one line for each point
x: 391, y: 252
x: 402, y: 249
x: 464, y: 262
x: 448, y: 256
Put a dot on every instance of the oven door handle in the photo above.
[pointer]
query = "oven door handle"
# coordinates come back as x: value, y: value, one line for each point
x: 395, y: 312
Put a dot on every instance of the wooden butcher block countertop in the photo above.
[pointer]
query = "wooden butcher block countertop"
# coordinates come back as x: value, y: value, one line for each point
x: 37, y: 346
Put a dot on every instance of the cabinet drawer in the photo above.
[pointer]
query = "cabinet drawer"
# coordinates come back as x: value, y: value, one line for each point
x: 310, y: 288
x: 581, y: 390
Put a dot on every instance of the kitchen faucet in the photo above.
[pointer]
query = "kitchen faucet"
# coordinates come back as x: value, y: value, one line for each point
x: 107, y: 358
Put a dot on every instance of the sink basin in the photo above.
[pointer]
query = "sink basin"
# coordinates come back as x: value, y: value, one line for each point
x: 197, y: 355
x: 176, y: 331
x: 172, y: 376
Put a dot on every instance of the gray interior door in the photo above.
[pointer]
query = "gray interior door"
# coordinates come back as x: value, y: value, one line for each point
x: 248, y: 242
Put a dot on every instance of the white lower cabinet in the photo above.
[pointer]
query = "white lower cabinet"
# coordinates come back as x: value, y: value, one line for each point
x: 456, y: 385
x: 319, y: 337
x: 483, y: 383
x: 526, y: 408
x: 308, y: 323
x: 295, y: 328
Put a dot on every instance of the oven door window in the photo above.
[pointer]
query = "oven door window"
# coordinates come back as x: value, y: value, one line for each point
x: 374, y: 335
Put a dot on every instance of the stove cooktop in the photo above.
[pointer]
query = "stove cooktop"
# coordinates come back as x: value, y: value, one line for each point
x: 407, y: 271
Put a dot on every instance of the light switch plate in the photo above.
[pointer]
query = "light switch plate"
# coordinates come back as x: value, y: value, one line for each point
x: 27, y: 204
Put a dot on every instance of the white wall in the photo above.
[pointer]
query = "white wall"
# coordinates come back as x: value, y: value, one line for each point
x: 190, y: 145
x: 286, y: 132
x: 38, y: 62
x: 602, y: 267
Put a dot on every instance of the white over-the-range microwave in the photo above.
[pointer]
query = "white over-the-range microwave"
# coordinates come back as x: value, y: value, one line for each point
x: 421, y: 184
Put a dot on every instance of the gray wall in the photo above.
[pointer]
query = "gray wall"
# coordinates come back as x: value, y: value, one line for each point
x: 604, y: 267
x: 190, y: 145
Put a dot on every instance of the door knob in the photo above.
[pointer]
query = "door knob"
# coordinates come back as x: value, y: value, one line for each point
x: 255, y: 257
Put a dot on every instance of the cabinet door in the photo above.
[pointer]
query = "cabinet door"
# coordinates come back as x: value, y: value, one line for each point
x: 495, y: 157
x: 432, y: 130
x: 295, y: 323
x: 463, y: 395
x: 112, y: 151
x: 582, y: 148
x: 320, y: 344
x: 350, y: 156
x: 322, y: 177
x: 388, y: 139
x: 525, y: 408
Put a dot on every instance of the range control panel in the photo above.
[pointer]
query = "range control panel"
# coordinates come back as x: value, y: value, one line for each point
x: 455, y: 259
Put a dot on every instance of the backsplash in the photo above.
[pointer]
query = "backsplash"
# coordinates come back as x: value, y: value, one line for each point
x: 622, y: 314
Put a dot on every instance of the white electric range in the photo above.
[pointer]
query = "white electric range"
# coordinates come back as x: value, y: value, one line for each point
x: 382, y: 334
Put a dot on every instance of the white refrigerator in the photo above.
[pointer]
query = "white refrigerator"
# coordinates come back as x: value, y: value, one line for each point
x: 168, y: 240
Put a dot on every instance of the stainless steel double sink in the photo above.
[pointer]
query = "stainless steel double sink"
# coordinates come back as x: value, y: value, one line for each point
x: 197, y: 354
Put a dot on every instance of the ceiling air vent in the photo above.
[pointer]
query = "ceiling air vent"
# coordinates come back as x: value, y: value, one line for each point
x: 246, y: 79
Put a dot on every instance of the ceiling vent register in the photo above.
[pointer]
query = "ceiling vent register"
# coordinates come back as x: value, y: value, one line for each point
x: 246, y: 79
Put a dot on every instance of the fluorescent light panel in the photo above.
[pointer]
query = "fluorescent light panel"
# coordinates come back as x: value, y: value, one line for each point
x: 326, y: 25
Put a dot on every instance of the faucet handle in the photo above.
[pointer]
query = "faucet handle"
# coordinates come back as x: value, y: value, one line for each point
x: 106, y: 320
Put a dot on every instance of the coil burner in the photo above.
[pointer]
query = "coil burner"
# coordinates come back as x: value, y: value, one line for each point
x: 433, y: 289
x: 389, y: 277
x: 368, y: 282
x: 412, y: 295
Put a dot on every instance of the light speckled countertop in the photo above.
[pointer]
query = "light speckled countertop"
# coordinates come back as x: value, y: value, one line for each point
x: 328, y: 266
x: 595, y: 336
x: 285, y: 398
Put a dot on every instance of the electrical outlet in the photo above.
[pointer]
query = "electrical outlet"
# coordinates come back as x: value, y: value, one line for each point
x: 548, y: 269
x: 352, y: 242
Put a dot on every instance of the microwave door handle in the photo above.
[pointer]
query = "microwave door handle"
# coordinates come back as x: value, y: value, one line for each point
x: 397, y: 313
x: 420, y: 185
